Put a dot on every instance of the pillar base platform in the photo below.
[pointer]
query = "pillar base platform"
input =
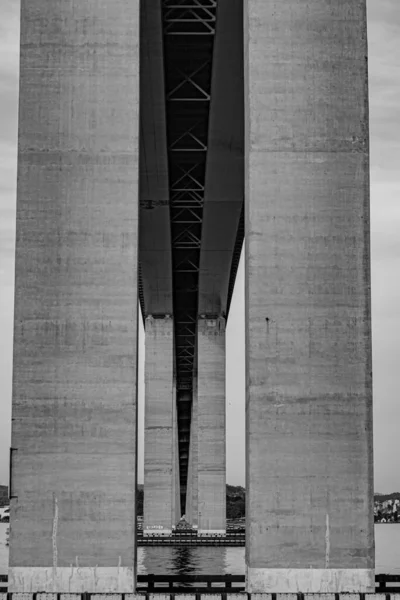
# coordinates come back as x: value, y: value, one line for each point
x: 291, y: 581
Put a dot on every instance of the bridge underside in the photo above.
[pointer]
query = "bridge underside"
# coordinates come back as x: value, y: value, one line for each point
x: 84, y: 151
x: 192, y: 145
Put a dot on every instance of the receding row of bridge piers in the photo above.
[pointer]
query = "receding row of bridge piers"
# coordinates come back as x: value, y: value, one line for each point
x: 204, y: 499
x: 147, y: 129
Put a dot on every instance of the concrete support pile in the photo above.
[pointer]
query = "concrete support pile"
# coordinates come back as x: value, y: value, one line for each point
x: 73, y: 461
x: 159, y: 434
x: 193, y: 474
x: 211, y: 458
x: 309, y: 394
x: 188, y: 506
x: 189, y: 515
x: 176, y: 489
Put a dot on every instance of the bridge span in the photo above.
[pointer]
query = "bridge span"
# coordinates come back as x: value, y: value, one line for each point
x: 191, y: 233
x: 154, y: 136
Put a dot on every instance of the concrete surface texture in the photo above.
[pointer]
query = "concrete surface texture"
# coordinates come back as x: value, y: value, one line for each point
x: 74, y: 380
x: 176, y: 490
x: 195, y: 450
x: 193, y: 475
x: 188, y: 503
x: 211, y: 439
x: 189, y: 483
x: 159, y: 421
x: 308, y: 334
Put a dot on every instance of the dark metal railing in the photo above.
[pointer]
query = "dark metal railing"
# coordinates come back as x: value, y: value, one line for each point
x: 191, y: 538
x: 383, y: 580
x: 214, y: 584
x: 3, y: 580
x: 167, y: 584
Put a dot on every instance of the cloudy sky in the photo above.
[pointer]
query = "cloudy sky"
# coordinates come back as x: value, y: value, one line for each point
x: 384, y: 62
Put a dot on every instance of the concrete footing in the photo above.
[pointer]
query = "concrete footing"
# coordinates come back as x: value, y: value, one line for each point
x: 261, y: 581
x: 102, y: 580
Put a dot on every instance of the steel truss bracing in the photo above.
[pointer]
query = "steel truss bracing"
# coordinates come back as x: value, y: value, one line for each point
x: 189, y: 17
x: 188, y: 30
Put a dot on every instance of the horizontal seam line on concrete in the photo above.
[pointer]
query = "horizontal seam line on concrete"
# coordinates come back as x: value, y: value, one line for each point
x: 311, y: 151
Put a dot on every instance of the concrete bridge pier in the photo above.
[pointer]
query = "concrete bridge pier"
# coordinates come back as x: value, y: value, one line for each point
x: 160, y: 427
x: 309, y: 466
x: 192, y: 486
x: 189, y: 485
x: 176, y: 489
x: 73, y: 458
x: 211, y: 441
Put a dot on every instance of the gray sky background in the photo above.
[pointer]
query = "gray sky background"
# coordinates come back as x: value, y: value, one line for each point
x: 384, y: 63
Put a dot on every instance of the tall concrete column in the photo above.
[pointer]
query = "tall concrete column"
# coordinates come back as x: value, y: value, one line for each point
x: 193, y: 474
x: 75, y: 329
x: 189, y: 483
x: 211, y: 442
x: 195, y: 455
x: 159, y: 453
x: 308, y: 333
x: 176, y: 488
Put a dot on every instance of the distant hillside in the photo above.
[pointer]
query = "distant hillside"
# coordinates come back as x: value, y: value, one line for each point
x: 4, y: 495
x: 139, y: 500
x: 383, y: 497
x: 235, y: 499
x: 235, y: 502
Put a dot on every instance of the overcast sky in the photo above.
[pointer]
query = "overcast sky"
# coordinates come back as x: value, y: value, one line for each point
x: 384, y: 63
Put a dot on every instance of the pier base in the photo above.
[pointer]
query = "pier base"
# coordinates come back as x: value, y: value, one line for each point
x: 308, y: 581
x: 75, y: 579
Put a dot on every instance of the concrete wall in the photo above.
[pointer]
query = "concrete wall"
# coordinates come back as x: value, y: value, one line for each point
x: 159, y: 440
x: 309, y: 388
x: 74, y: 379
x: 211, y: 442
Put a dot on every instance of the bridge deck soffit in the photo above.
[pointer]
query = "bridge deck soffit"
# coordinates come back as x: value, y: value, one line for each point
x: 222, y: 233
x: 155, y: 230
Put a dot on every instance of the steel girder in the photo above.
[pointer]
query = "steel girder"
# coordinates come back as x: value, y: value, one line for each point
x: 188, y: 30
